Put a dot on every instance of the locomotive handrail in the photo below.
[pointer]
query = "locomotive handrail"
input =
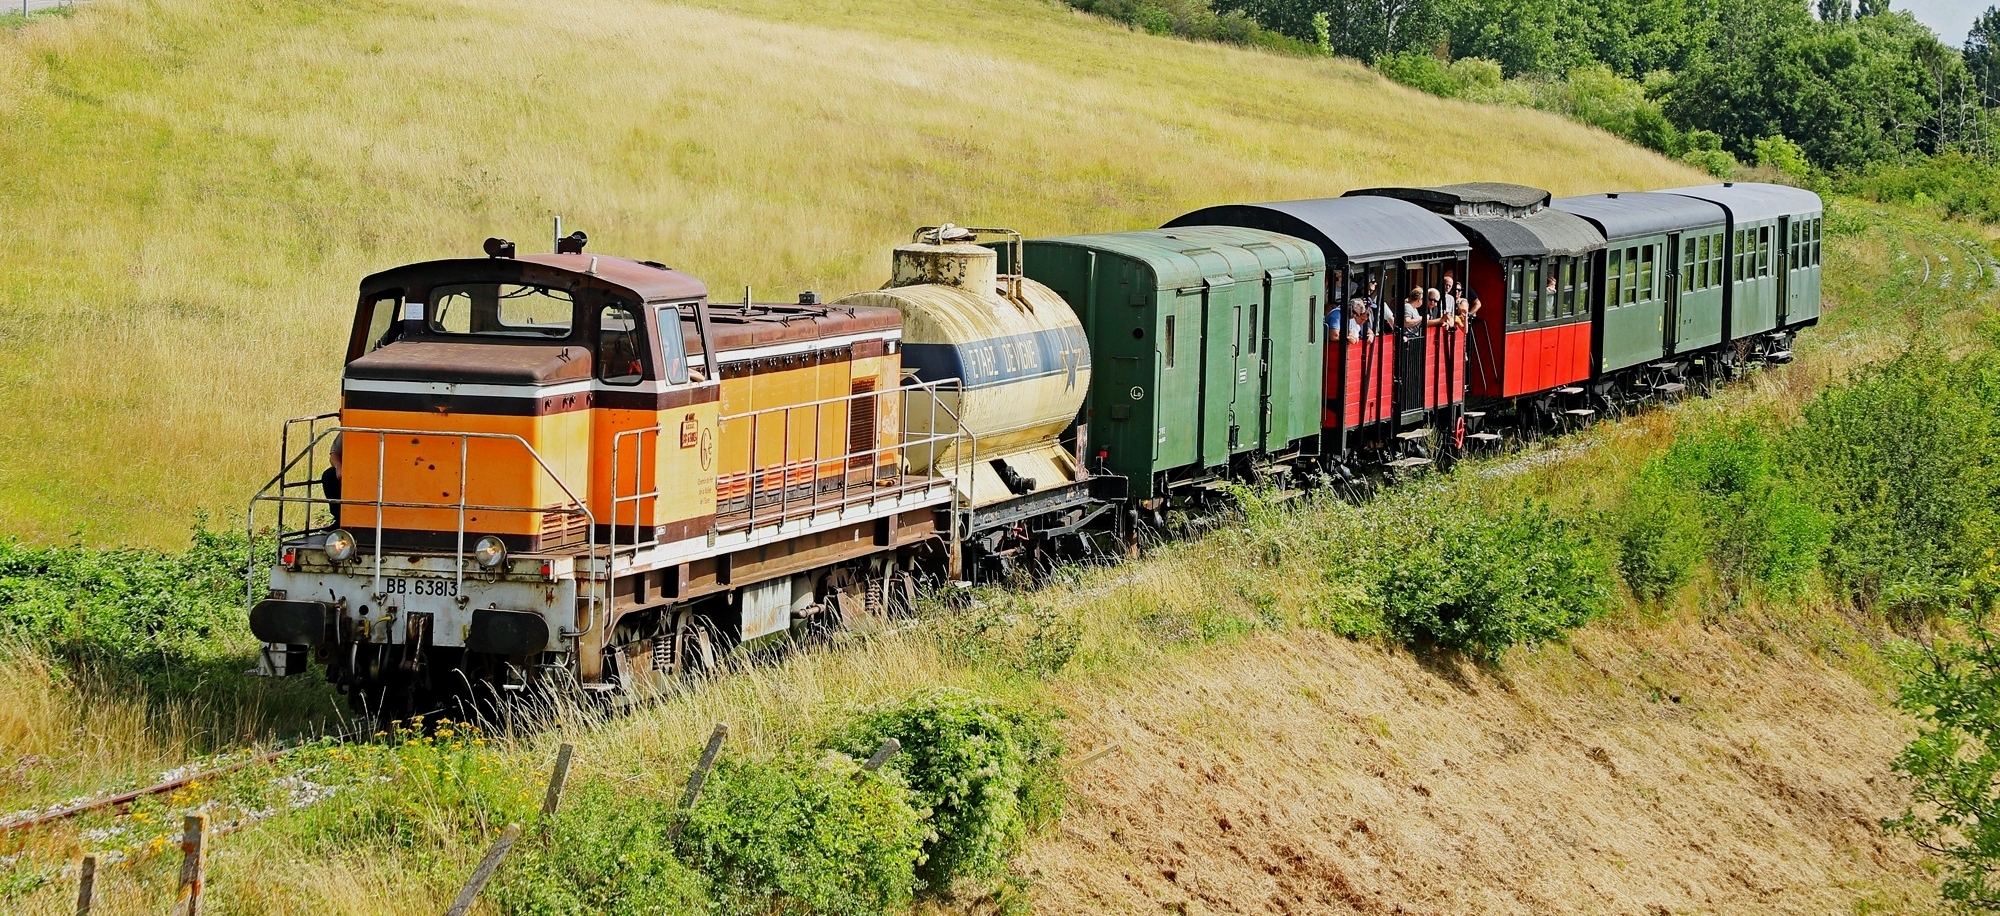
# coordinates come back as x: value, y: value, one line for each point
x: 282, y: 483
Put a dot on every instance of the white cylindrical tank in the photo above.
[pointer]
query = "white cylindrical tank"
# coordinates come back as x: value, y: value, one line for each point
x: 1017, y: 351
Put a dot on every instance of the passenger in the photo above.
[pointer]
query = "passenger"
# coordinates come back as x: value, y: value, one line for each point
x: 1468, y: 306
x: 1358, y: 328
x: 329, y: 479
x: 1450, y: 289
x: 1435, y: 314
x: 1413, y: 314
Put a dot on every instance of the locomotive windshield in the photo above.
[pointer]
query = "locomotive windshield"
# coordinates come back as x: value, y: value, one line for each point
x: 500, y: 309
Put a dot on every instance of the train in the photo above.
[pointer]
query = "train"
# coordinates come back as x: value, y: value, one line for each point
x: 578, y: 472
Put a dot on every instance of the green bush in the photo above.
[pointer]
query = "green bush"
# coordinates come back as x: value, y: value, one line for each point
x: 1480, y: 579
x: 1420, y: 71
x: 1905, y: 463
x: 142, y: 609
x: 407, y: 790
x: 985, y: 770
x: 1953, y: 764
x: 805, y: 837
x: 1722, y: 494
x: 605, y: 854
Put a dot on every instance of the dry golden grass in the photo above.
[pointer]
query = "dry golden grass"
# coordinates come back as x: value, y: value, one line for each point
x: 194, y: 187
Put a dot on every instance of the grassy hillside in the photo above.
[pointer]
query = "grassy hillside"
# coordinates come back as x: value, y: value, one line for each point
x: 193, y: 187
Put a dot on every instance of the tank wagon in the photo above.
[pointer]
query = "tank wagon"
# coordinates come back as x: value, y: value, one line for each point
x: 1004, y: 358
x: 572, y: 470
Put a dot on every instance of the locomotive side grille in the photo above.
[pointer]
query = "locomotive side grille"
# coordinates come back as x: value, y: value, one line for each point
x: 560, y: 530
x: 861, y: 423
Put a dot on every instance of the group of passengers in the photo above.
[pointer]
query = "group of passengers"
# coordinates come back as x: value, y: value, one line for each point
x: 1366, y: 317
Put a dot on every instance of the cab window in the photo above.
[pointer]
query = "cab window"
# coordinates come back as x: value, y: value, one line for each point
x: 673, y: 347
x: 618, y: 361
x: 500, y: 310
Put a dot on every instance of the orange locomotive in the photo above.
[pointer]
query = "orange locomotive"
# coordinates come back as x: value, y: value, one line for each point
x: 575, y: 468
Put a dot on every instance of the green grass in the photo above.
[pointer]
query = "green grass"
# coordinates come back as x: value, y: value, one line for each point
x: 198, y: 185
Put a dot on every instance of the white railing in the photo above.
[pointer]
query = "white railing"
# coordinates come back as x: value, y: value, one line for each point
x: 804, y: 481
x: 279, y: 490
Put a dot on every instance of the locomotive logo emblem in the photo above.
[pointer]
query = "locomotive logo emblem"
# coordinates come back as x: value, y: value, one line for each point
x: 707, y: 448
x: 690, y: 432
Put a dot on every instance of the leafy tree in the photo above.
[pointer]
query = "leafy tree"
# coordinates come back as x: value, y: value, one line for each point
x: 1953, y: 690
x: 1982, y: 54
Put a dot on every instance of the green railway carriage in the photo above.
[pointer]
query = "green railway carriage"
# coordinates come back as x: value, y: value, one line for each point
x: 1659, y: 291
x: 1205, y: 342
x: 1771, y: 266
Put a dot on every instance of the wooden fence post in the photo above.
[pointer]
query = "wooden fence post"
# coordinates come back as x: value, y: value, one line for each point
x: 194, y: 864
x: 86, y: 891
x: 698, y: 777
x: 556, y: 779
x: 484, y: 872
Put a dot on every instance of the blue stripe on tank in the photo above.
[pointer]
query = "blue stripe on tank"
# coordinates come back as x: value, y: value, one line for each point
x: 1002, y: 360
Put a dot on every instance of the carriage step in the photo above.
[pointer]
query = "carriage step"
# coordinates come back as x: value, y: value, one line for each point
x: 1781, y: 356
x: 1483, y: 437
x: 1404, y: 464
x: 1412, y: 435
x: 1569, y: 390
x: 1670, y: 388
x: 1474, y: 414
x: 1664, y: 367
x: 1581, y: 413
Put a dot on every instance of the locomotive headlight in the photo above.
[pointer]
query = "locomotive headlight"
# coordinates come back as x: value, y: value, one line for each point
x: 340, y: 545
x: 490, y: 552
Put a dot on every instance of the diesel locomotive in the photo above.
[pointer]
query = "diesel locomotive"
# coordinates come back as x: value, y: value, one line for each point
x: 577, y: 471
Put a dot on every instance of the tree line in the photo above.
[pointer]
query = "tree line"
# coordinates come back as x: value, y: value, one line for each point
x: 1813, y: 84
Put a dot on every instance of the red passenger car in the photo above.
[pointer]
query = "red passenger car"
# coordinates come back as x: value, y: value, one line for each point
x: 1394, y: 392
x: 1529, y: 351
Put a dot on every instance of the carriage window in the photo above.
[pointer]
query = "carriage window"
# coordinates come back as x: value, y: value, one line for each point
x: 1764, y: 251
x: 1631, y: 278
x: 1687, y: 267
x: 1614, y: 267
x: 1167, y: 344
x: 1715, y: 273
x: 618, y: 351
x: 1514, y: 315
x: 1312, y: 319
x: 1568, y: 287
x: 673, y: 346
x: 1252, y: 345
x: 1815, y: 242
x: 1698, y: 265
x: 1647, y: 290
x: 501, y: 310
x: 1736, y: 258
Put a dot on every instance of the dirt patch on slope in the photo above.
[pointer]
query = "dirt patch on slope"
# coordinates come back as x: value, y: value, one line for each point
x: 1645, y: 771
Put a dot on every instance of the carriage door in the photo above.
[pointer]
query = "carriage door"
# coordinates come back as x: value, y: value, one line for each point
x: 1785, y: 248
x: 1410, y: 361
x: 1678, y: 262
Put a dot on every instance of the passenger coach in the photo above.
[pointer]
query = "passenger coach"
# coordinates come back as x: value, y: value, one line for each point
x: 1391, y: 399
x: 1529, y: 352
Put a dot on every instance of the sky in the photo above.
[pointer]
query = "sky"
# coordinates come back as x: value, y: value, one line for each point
x: 1948, y: 18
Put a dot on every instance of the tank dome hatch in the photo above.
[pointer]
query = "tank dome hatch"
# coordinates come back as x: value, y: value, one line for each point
x: 948, y: 255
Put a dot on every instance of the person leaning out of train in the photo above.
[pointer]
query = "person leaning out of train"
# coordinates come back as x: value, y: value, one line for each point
x: 1437, y: 314
x: 329, y: 479
x: 1358, y: 322
x: 1412, y: 322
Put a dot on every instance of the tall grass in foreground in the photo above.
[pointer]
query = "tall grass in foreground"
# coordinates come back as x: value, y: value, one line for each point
x: 194, y: 187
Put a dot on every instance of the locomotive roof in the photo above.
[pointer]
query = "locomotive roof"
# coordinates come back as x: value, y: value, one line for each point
x: 1539, y: 234
x: 1171, y: 258
x: 1498, y: 193
x: 1634, y: 214
x: 1356, y: 229
x: 1751, y: 201
x: 646, y: 282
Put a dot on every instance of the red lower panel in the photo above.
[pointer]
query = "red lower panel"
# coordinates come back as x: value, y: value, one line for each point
x: 1540, y: 359
x: 1444, y: 369
x: 1371, y: 376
